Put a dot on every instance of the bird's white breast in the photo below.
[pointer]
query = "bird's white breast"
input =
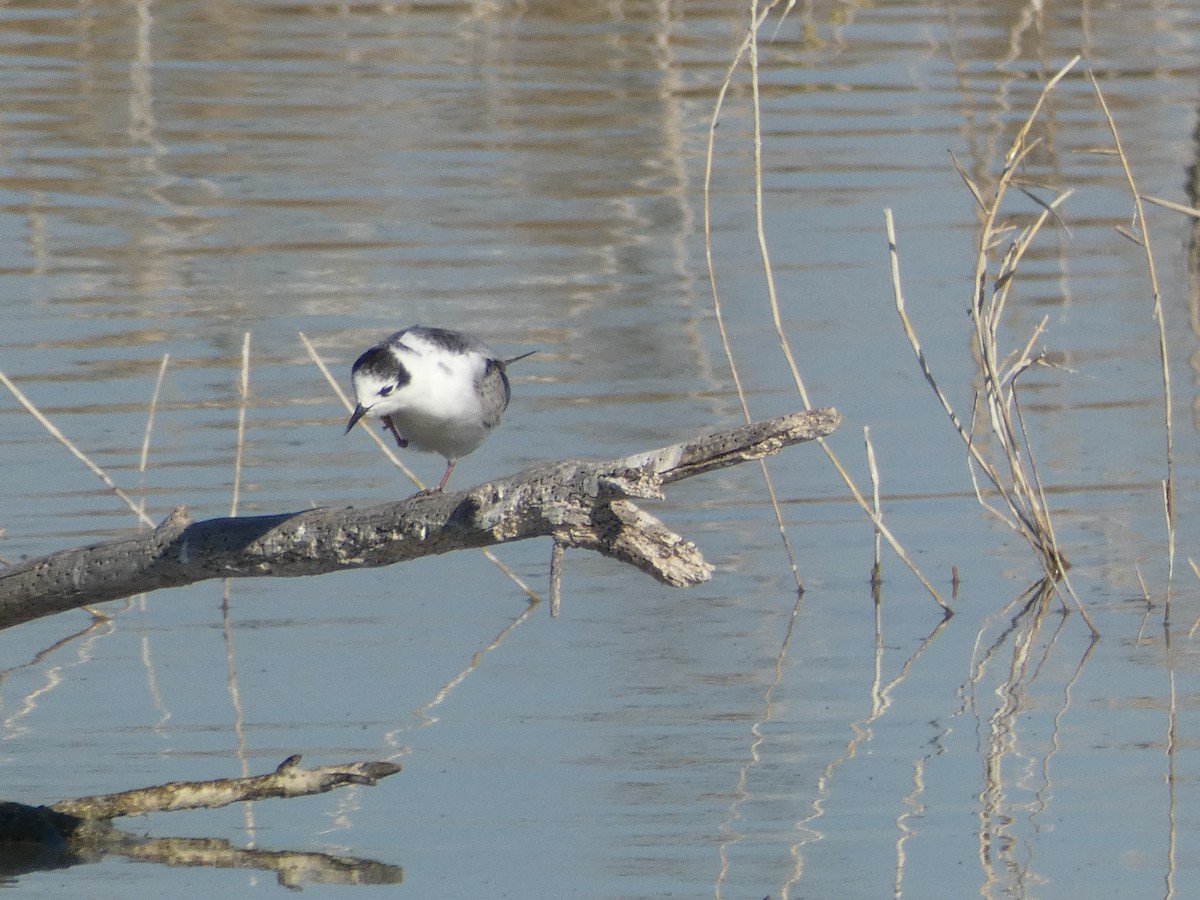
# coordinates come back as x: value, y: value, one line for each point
x: 439, y: 409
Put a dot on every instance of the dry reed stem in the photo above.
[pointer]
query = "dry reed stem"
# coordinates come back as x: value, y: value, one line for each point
x: 1020, y: 486
x: 769, y: 276
x: 876, y: 568
x: 760, y: 227
x: 749, y: 47
x: 74, y: 450
x: 1172, y: 205
x: 341, y: 395
x: 243, y: 398
x: 749, y: 41
x: 1195, y: 624
x: 144, y: 459
x: 1020, y: 520
x: 395, y: 460
x: 1020, y: 489
x: 1159, y: 320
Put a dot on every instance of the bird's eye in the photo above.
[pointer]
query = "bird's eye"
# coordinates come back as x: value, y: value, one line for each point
x: 386, y: 389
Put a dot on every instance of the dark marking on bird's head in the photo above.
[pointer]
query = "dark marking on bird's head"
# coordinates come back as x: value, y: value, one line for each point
x: 452, y: 341
x: 376, y: 375
x: 380, y: 364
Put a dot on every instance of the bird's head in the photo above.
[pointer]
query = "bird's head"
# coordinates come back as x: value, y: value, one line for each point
x: 378, y: 377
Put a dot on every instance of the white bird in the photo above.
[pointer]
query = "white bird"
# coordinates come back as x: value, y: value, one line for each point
x: 439, y: 390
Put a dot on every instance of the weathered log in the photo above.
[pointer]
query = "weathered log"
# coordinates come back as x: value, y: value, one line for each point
x: 288, y: 780
x: 579, y: 503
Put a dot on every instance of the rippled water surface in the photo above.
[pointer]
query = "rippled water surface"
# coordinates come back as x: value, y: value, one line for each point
x: 175, y: 177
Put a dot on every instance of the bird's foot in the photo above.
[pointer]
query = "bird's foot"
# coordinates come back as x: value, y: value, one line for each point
x: 427, y: 492
x: 389, y: 425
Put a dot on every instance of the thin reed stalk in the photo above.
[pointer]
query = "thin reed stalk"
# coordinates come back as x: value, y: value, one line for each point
x: 749, y: 49
x: 1010, y: 470
x: 1172, y: 205
x: 243, y: 399
x: 1142, y: 239
x: 144, y: 458
x: 1196, y: 624
x: 45, y: 422
x: 876, y: 568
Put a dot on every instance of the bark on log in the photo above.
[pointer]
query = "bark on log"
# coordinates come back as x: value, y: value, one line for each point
x: 579, y: 503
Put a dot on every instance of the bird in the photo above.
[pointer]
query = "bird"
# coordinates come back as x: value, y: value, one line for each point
x: 435, y: 389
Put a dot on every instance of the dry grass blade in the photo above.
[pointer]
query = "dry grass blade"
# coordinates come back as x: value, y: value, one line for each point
x: 158, y: 383
x: 341, y: 395
x: 982, y: 463
x: 1196, y: 570
x: 999, y: 398
x: 1051, y: 207
x: 749, y: 48
x: 876, y: 506
x: 1011, y: 471
x: 1172, y: 205
x: 970, y: 183
x: 74, y: 450
x: 243, y: 398
x: 144, y: 458
x: 1144, y: 242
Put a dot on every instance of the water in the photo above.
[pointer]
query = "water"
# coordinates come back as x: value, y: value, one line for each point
x: 174, y: 176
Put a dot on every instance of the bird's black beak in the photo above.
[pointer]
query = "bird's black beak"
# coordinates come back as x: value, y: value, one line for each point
x: 359, y: 412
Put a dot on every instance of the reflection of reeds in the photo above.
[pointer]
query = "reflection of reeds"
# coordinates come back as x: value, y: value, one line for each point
x: 1010, y: 469
x: 1006, y: 804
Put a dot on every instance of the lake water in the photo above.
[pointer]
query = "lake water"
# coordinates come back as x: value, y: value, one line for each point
x: 175, y: 176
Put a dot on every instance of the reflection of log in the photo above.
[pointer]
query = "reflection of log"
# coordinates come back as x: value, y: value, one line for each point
x: 292, y: 868
x: 578, y: 503
x: 40, y: 837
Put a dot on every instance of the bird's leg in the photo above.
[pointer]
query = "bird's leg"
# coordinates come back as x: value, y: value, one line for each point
x: 389, y: 425
x: 449, y: 468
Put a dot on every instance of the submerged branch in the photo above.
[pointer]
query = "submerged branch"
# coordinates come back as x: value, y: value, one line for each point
x: 288, y: 780
x: 579, y: 503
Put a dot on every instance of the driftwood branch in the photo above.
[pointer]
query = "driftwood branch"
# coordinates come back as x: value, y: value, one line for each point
x: 288, y: 780
x: 579, y: 503
x: 80, y: 830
